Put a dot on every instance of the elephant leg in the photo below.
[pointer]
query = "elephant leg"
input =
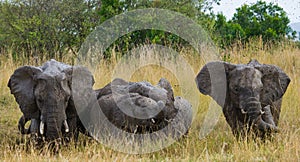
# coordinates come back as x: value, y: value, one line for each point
x: 73, y: 129
x: 35, y: 137
x: 21, y: 125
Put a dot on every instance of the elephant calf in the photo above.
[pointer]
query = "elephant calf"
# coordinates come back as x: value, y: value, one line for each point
x: 250, y: 94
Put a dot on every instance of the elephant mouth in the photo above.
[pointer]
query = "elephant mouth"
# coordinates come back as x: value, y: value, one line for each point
x: 42, y: 127
x: 260, y: 118
x: 252, y: 106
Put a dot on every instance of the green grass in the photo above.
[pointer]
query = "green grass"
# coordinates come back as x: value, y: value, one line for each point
x: 219, y: 145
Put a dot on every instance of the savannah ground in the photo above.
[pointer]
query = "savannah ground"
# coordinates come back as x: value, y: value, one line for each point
x: 219, y: 145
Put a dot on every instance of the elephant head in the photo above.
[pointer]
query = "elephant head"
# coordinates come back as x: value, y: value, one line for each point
x: 250, y: 94
x: 44, y: 95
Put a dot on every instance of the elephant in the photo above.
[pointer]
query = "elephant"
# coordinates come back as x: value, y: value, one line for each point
x: 44, y: 95
x: 250, y: 94
x: 139, y: 107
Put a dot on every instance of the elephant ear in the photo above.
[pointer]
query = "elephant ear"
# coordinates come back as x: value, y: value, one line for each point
x: 275, y: 82
x: 164, y: 83
x: 80, y: 76
x: 212, y: 80
x: 81, y: 82
x: 21, y: 84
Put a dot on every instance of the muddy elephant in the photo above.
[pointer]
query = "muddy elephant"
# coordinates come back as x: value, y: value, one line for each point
x: 139, y: 107
x: 44, y: 95
x: 250, y: 94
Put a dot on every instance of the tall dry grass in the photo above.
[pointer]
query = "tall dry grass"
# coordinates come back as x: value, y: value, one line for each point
x: 218, y: 145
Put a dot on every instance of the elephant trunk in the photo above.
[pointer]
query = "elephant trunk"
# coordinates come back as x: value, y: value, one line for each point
x: 51, y: 125
x: 54, y: 128
x: 259, y: 117
x: 264, y: 126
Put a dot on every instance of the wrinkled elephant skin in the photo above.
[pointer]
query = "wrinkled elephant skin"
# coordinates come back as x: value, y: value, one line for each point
x: 44, y: 95
x: 139, y: 107
x: 250, y: 94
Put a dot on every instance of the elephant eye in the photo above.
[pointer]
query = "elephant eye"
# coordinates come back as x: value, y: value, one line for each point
x: 41, y: 84
x: 39, y: 100
x: 236, y: 89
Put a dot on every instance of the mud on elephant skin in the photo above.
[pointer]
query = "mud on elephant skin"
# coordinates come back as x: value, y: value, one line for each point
x: 44, y: 95
x: 139, y: 107
x: 250, y: 94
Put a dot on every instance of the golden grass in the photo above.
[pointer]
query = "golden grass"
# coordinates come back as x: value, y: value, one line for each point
x: 219, y: 145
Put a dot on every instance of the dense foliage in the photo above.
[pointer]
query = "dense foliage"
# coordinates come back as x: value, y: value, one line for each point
x: 46, y: 28
x: 260, y: 19
x: 198, y: 10
x: 52, y: 28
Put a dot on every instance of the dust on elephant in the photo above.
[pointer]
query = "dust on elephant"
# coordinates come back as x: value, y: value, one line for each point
x: 139, y: 107
x: 44, y: 95
x: 250, y: 94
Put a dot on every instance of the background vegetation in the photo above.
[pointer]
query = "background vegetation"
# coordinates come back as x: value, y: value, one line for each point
x: 44, y: 29
x: 33, y: 31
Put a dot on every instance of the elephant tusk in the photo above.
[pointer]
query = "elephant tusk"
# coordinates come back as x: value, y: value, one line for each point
x: 262, y: 112
x: 153, y: 121
x: 66, y: 126
x: 243, y: 111
x: 42, y: 126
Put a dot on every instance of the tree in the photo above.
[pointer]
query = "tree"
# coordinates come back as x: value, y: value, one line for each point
x: 46, y: 28
x: 229, y: 31
x: 261, y: 19
x: 198, y: 10
x: 51, y: 28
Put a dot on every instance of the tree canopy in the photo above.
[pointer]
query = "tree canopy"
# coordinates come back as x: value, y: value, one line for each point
x: 52, y: 28
x: 46, y: 28
x: 263, y: 19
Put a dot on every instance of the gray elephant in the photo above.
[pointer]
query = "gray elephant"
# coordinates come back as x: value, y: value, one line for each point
x: 139, y: 107
x: 250, y: 94
x: 44, y: 95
